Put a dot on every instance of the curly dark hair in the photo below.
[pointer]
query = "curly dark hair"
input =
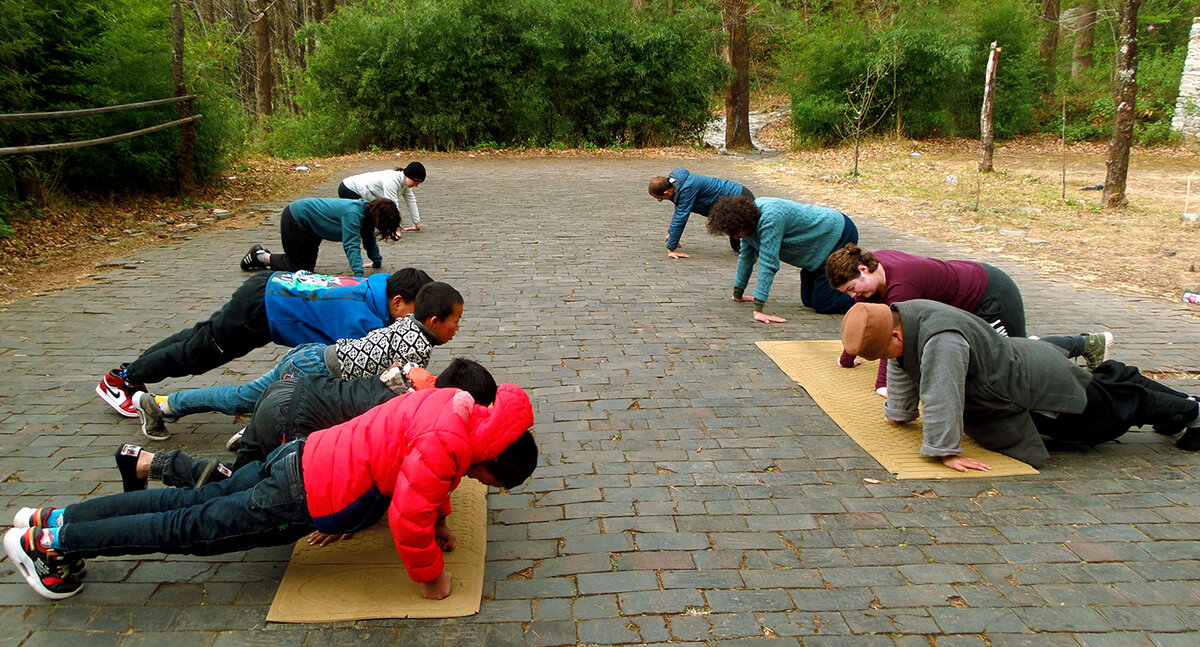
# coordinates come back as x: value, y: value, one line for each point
x: 381, y: 214
x: 733, y: 216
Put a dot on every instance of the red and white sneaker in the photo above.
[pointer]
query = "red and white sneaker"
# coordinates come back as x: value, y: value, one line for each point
x: 44, y: 571
x: 118, y: 393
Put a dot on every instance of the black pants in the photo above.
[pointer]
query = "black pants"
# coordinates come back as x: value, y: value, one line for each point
x: 345, y: 193
x: 1002, y: 307
x: 300, y: 246
x: 237, y: 328
x: 1119, y: 397
x: 287, y: 410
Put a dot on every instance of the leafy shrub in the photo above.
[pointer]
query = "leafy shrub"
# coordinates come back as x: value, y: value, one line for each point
x: 932, y: 61
x: 452, y: 74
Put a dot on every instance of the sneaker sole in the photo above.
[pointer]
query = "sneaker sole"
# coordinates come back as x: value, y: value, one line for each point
x: 144, y: 418
x: 235, y: 441
x: 25, y: 566
x: 112, y: 402
x: 23, y: 518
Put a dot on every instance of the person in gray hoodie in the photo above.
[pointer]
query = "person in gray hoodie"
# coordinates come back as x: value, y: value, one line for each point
x: 1006, y: 393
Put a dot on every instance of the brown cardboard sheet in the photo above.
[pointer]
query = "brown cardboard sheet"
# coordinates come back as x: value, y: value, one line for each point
x: 362, y: 578
x: 848, y: 396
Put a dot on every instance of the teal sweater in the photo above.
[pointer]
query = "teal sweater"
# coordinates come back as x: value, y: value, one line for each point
x: 798, y: 234
x: 339, y: 220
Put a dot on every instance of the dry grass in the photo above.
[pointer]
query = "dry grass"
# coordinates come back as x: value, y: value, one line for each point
x: 1019, y: 211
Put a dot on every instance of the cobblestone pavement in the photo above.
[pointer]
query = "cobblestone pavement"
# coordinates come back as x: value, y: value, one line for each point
x: 688, y: 493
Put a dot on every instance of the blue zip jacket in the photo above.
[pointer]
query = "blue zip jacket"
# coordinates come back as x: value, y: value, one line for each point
x: 694, y: 193
x: 798, y: 234
x: 303, y: 307
x: 339, y: 220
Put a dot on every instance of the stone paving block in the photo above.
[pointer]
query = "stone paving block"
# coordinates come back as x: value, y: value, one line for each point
x: 1072, y: 619
x: 616, y: 581
x: 1125, y: 639
x: 611, y: 631
x: 1161, y: 619
x: 977, y: 621
x: 168, y: 639
x: 673, y: 601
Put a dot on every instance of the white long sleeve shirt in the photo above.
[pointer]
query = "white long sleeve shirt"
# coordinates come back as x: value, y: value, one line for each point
x: 385, y: 184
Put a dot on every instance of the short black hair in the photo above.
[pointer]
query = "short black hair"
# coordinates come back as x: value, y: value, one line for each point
x: 407, y: 283
x: 436, y: 299
x: 470, y: 376
x: 516, y: 463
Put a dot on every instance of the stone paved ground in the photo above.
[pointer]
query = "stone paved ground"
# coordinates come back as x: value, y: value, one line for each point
x: 688, y: 492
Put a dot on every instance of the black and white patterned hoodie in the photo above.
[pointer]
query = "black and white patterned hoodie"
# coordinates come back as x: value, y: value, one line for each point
x: 405, y: 340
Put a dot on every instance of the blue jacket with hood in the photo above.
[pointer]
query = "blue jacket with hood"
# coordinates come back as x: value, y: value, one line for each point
x: 303, y: 307
x: 694, y: 193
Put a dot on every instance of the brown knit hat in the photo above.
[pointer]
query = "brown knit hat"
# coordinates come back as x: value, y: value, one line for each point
x: 867, y: 330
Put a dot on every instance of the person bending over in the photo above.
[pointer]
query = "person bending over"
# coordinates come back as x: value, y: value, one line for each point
x: 401, y: 459
x: 692, y: 193
x: 291, y: 409
x: 305, y: 223
x: 408, y: 340
x: 1006, y: 393
x: 774, y: 230
x: 288, y: 308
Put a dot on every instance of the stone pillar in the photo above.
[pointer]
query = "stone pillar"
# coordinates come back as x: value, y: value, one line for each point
x: 1187, y: 107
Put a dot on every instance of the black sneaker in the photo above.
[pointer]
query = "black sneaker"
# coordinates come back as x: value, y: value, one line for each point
x: 127, y: 458
x: 46, y: 573
x: 214, y: 471
x: 153, y: 426
x: 1190, y: 440
x: 250, y: 262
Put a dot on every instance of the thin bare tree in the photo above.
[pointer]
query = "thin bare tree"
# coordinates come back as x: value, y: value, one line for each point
x: 986, y: 139
x: 865, y: 111
x: 1126, y: 100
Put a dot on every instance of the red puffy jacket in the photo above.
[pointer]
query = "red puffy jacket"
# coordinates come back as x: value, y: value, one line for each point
x: 405, y: 456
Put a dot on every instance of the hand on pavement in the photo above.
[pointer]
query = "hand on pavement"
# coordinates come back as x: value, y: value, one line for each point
x: 766, y: 318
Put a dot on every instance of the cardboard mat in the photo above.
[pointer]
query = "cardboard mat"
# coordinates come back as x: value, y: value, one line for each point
x: 848, y: 396
x: 363, y: 578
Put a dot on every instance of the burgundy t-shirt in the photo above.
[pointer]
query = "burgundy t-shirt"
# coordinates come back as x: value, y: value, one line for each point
x: 957, y: 283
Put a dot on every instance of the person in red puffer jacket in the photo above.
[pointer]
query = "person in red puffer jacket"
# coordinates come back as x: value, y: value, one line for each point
x: 403, y: 457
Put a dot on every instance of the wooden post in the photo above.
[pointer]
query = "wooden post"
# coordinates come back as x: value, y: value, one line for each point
x: 186, y: 156
x: 986, y: 142
x: 1126, y: 100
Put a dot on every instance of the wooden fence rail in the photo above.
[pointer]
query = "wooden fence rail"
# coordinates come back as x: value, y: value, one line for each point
x: 63, y: 114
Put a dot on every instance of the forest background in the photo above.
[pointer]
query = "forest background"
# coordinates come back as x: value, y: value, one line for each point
x: 284, y: 79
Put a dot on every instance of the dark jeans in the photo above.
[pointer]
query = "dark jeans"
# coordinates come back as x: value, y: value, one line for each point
x: 345, y: 193
x: 237, y: 328
x: 262, y: 505
x: 287, y: 410
x: 300, y: 246
x: 1118, y: 397
x: 815, y: 291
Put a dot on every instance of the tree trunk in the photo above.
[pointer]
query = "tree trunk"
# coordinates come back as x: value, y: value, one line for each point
x: 317, y: 11
x: 1126, y: 100
x: 329, y: 7
x: 737, y: 97
x: 1085, y: 37
x: 185, y: 158
x: 986, y: 141
x: 1048, y: 46
x: 28, y: 179
x: 264, y: 79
